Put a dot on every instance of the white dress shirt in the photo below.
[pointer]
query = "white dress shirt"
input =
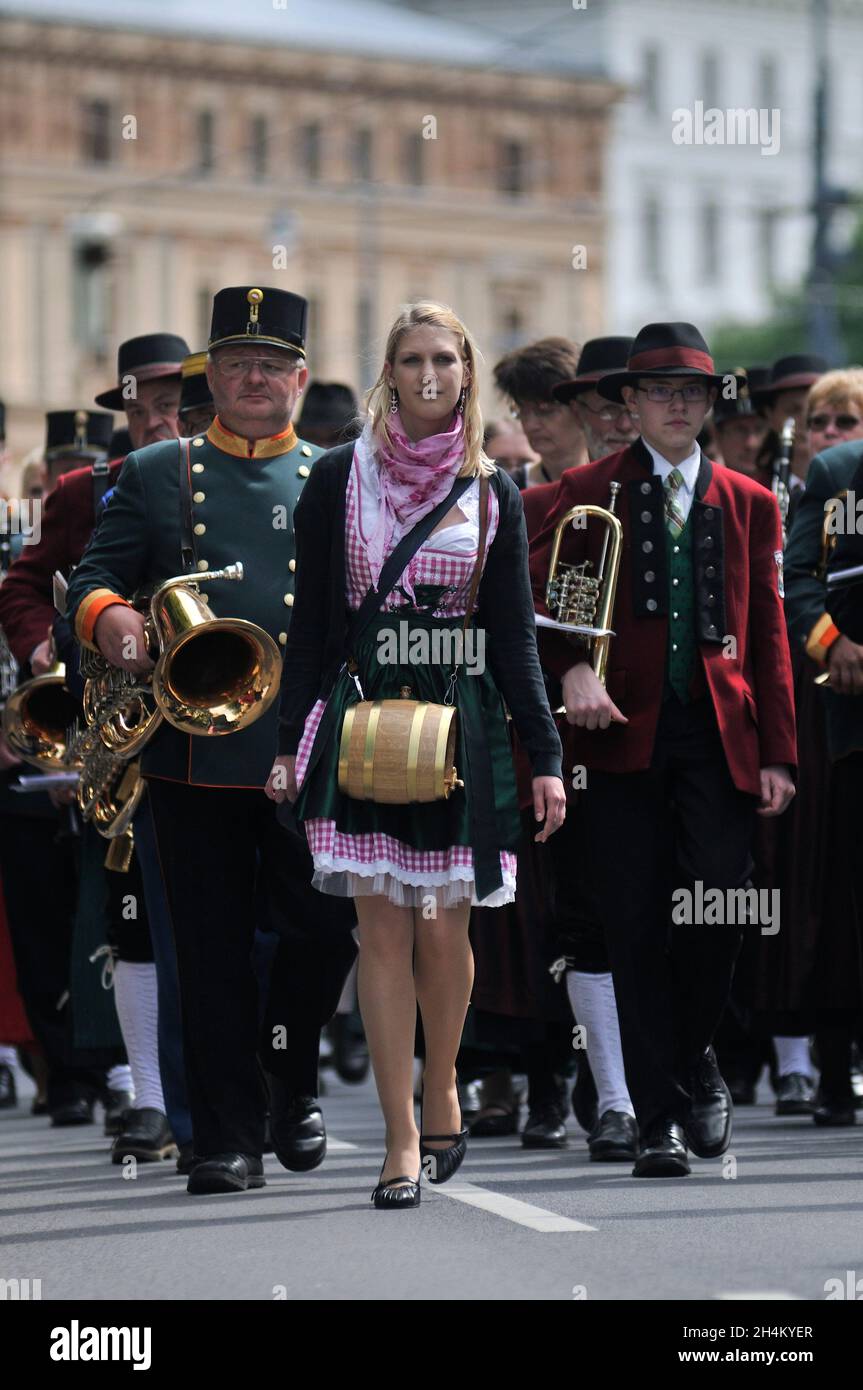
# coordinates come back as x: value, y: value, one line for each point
x: 688, y: 468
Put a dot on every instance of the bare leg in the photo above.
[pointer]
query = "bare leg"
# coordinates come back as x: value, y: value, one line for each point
x: 387, y: 997
x: 444, y: 979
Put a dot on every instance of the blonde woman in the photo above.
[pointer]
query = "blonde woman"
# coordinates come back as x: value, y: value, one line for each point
x: 834, y: 409
x: 414, y: 870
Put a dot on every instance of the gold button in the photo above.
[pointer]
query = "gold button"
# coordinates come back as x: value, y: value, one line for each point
x: 200, y: 529
x: 197, y: 468
x: 674, y: 646
x: 203, y: 564
x: 283, y: 637
x: 289, y: 600
x: 303, y: 471
x: 306, y: 452
x: 198, y: 496
x: 196, y: 443
x: 292, y: 565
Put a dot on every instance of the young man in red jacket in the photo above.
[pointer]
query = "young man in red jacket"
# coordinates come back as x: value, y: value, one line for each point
x: 689, y: 737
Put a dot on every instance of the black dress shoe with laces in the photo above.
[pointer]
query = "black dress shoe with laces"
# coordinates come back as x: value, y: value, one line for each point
x: 614, y: 1138
x: 350, y: 1049
x: 297, y: 1130
x: 145, y: 1136
x: 8, y: 1092
x: 795, y: 1094
x: 225, y: 1173
x: 72, y: 1112
x: 708, y: 1126
x: 545, y: 1128
x: 116, y: 1104
x: 663, y: 1152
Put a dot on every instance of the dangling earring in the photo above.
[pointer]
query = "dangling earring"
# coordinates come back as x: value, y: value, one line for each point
x: 461, y: 400
x: 394, y: 400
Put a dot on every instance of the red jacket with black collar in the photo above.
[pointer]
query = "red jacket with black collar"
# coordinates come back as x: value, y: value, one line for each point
x: 739, y: 620
x: 27, y: 593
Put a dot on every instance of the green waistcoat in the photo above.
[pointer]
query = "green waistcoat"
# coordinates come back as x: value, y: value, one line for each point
x: 681, y: 655
x: 242, y: 510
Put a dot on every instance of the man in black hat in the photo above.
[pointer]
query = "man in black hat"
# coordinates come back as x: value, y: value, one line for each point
x: 608, y: 425
x: 740, y: 429
x: 688, y: 735
x: 196, y: 399
x: 74, y: 438
x: 219, y: 498
x: 329, y: 414
x: 148, y: 386
x: 782, y: 395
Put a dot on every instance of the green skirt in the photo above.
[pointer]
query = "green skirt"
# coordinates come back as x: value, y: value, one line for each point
x: 461, y: 847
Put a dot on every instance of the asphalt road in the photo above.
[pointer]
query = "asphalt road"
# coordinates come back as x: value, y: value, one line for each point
x: 780, y: 1221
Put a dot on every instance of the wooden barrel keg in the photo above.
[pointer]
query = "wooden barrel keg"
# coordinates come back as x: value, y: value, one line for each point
x: 396, y: 752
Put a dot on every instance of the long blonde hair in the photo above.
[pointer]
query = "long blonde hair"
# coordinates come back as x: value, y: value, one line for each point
x: 427, y: 313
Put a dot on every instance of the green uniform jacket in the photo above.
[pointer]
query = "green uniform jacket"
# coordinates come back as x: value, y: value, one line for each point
x: 807, y: 602
x: 242, y: 511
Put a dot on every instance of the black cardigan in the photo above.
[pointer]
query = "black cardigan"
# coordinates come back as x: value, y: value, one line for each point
x: 317, y: 637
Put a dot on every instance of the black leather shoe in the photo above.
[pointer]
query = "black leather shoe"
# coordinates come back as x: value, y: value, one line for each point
x: 544, y: 1128
x: 614, y: 1138
x: 708, y: 1128
x: 795, y: 1094
x: 834, y: 1112
x: 8, y: 1092
x: 225, y: 1173
x: 145, y: 1136
x: 186, y: 1159
x: 297, y: 1129
x: 72, y: 1112
x: 663, y: 1152
x: 116, y: 1104
x: 398, y: 1193
x: 584, y: 1097
x: 350, y: 1049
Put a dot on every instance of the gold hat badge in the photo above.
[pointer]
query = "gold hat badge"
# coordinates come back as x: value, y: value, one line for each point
x: 81, y: 418
x: 254, y: 297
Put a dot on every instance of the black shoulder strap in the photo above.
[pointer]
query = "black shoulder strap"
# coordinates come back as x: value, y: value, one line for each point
x: 100, y: 474
x: 400, y: 558
x: 187, y: 538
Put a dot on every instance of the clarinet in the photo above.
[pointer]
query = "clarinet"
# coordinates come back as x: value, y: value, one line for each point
x: 779, y: 483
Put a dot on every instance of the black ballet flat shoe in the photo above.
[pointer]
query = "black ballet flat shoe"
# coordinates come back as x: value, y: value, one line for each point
x: 439, y: 1165
x: 387, y: 1196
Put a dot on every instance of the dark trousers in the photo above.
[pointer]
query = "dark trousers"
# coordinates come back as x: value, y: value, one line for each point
x: 679, y: 823
x: 227, y: 866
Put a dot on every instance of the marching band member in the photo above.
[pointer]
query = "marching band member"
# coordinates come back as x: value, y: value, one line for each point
x: 692, y: 733
x: 415, y: 486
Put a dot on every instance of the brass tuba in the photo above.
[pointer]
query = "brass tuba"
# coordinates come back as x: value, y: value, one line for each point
x: 37, y: 718
x: 583, y: 602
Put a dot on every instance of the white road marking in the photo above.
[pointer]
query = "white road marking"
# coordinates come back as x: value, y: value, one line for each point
x: 759, y: 1295
x: 522, y: 1213
x: 339, y: 1146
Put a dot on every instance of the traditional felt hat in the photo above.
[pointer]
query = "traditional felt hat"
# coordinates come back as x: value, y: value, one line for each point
x: 741, y: 405
x: 84, y: 433
x: 195, y: 390
x: 248, y: 314
x: 143, y: 359
x: 599, y: 357
x: 789, y: 373
x: 327, y: 405
x: 664, y: 349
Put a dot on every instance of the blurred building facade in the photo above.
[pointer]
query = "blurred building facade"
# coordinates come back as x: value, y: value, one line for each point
x: 702, y: 232
x: 358, y: 154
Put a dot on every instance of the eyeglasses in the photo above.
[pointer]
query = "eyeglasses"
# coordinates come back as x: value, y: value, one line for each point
x: 841, y: 422
x: 541, y: 409
x: 663, y: 395
x: 608, y: 412
x: 272, y: 367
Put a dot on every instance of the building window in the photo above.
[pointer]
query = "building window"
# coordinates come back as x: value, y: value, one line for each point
x: 650, y: 241
x: 259, y: 146
x: 414, y: 158
x: 709, y: 93
x: 362, y: 155
x: 650, y: 81
x: 767, y: 247
x: 512, y: 168
x: 511, y: 328
x: 310, y: 150
x: 96, y: 131
x: 90, y: 288
x: 206, y: 150
x: 710, y: 252
x: 768, y: 84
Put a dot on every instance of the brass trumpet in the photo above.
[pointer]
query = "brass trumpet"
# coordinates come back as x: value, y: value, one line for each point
x: 583, y: 602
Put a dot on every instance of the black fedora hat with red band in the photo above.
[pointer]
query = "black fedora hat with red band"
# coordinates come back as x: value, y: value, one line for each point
x: 599, y: 357
x: 790, y: 374
x: 145, y: 358
x: 666, y: 349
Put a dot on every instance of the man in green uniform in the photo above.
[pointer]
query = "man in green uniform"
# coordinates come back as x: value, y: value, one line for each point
x: 198, y: 505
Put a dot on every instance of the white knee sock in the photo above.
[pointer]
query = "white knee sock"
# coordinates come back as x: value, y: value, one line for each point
x: 137, y: 1009
x: 792, y: 1054
x: 8, y: 1057
x: 120, y: 1078
x: 594, y: 1006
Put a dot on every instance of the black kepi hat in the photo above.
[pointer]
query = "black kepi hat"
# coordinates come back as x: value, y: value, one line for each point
x: 195, y: 390
x: 248, y: 314
x: 790, y: 373
x: 143, y: 359
x: 665, y: 349
x: 82, y: 433
x: 599, y: 357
